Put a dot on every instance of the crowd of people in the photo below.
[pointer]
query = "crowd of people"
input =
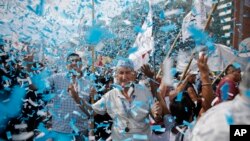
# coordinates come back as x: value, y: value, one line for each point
x: 39, y: 103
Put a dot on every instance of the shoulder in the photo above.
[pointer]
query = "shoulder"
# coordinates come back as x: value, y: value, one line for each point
x: 58, y: 75
x: 214, y: 122
x: 141, y: 88
x: 111, y: 93
x: 143, y: 92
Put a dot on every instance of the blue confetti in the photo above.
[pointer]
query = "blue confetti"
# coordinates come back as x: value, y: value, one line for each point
x: 138, y: 103
x: 201, y: 38
x: 119, y: 87
x: 146, y: 120
x: 47, y: 29
x: 96, y: 34
x: 12, y: 107
x: 247, y: 93
x: 134, y: 113
x: 224, y: 92
x: 138, y: 29
x: 154, y: 127
x: 39, y: 81
x: 8, y: 134
x: 186, y: 123
x: 72, y: 125
x: 48, y: 97
x: 168, y: 28
x: 173, y: 71
x: 39, y: 8
x: 132, y: 50
x: 179, y: 96
x: 229, y: 119
x: 162, y: 15
x: 140, y: 137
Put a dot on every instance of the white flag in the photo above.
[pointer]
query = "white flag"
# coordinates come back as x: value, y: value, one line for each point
x: 196, y: 17
x: 223, y: 56
x: 183, y: 59
x: 144, y: 42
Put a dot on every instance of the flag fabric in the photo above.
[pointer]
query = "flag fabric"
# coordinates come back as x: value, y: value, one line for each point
x: 144, y: 43
x: 196, y: 17
x: 223, y: 56
x: 183, y: 59
x: 217, y: 60
x: 167, y: 75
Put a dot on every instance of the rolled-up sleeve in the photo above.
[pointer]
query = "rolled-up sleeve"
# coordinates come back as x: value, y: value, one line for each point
x: 100, y: 107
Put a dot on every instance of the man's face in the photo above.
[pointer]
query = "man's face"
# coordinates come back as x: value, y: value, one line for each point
x: 75, y: 63
x: 124, y: 76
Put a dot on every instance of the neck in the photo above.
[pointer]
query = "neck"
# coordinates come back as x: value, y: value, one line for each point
x: 125, y: 93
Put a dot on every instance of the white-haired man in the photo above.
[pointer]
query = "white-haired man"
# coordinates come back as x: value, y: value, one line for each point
x: 129, y: 105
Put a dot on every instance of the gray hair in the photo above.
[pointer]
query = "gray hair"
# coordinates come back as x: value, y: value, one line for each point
x: 125, y: 63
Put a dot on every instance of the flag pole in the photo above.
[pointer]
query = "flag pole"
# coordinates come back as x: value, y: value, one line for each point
x: 92, y: 100
x: 169, y: 52
x: 218, y: 76
x: 93, y: 49
x: 178, y: 36
x: 205, y: 28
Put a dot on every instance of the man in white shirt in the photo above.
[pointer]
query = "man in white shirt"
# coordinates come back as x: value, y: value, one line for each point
x: 129, y: 105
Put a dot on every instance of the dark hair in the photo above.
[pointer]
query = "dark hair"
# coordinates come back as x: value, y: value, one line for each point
x: 228, y: 69
x: 183, y: 109
x: 71, y: 55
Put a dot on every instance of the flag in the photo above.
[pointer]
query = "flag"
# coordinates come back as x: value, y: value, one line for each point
x: 183, y: 59
x: 144, y: 43
x: 224, y: 56
x: 196, y: 17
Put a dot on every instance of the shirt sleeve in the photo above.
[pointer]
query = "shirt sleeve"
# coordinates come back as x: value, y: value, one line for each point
x: 100, y: 107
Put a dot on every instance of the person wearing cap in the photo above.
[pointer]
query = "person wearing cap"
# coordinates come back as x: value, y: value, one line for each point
x: 128, y: 104
x: 192, y: 91
x: 215, y: 123
x: 231, y: 80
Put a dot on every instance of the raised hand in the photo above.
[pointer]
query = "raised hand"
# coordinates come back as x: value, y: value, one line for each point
x: 156, y: 111
x: 202, y: 64
x: 146, y: 70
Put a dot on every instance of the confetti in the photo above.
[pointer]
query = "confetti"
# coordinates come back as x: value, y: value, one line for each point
x: 224, y: 91
x: 72, y: 125
x: 179, y: 97
x: 247, y: 93
x: 8, y: 134
x: 229, y: 119
x: 168, y: 28
x: 140, y: 137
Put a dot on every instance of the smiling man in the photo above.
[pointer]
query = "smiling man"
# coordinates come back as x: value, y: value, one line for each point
x: 129, y: 105
x: 69, y: 119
